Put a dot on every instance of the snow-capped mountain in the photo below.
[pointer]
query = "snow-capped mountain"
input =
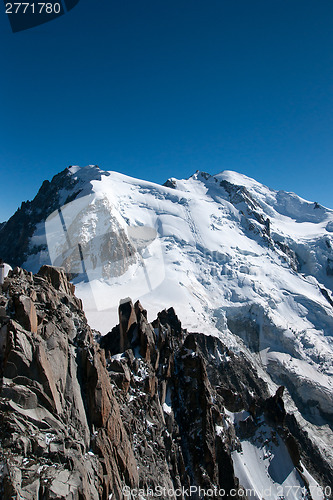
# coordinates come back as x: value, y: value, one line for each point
x: 249, y: 264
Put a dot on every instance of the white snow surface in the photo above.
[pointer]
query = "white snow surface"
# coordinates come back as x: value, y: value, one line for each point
x: 264, y: 468
x: 206, y: 248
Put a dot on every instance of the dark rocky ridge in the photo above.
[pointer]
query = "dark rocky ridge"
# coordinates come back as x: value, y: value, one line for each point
x: 82, y: 419
x: 15, y: 233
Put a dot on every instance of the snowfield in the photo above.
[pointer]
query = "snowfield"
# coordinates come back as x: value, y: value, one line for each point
x: 265, y: 469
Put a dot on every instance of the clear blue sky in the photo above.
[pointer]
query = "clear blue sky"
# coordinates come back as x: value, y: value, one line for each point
x: 160, y: 88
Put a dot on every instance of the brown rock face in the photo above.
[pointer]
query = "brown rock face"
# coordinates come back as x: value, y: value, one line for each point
x: 146, y: 335
x: 26, y: 313
x: 62, y: 435
x: 127, y: 323
x: 57, y: 278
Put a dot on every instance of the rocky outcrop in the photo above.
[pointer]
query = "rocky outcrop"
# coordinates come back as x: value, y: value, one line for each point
x: 147, y: 407
x: 61, y: 428
x: 15, y: 234
x: 188, y: 403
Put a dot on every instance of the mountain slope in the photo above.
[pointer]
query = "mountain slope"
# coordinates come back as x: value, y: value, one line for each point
x: 147, y: 406
x: 252, y: 264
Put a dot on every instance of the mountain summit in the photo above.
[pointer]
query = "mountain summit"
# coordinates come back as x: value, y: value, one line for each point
x: 251, y: 265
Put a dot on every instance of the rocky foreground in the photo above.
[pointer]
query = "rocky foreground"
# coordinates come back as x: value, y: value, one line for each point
x: 148, y: 406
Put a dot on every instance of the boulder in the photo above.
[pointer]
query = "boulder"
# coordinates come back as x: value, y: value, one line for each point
x: 58, y: 279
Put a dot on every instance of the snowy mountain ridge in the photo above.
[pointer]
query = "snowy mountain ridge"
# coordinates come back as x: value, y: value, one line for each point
x: 252, y: 265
